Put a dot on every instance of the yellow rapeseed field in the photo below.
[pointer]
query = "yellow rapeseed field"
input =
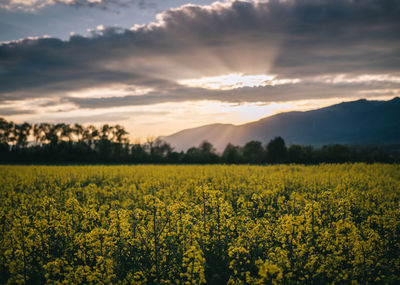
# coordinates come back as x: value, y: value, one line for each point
x: 217, y: 224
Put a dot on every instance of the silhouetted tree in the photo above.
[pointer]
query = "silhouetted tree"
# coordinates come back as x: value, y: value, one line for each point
x: 159, y: 150
x: 106, y: 133
x: 6, y: 131
x: 66, y: 132
x: 253, y: 152
x: 90, y: 135
x: 76, y: 143
x: 335, y: 154
x: 21, y: 133
x: 78, y: 131
x: 138, y: 153
x: 206, y: 147
x: 295, y: 153
x: 37, y: 133
x: 207, y: 152
x: 276, y: 150
x: 52, y: 134
x: 175, y: 157
x: 300, y: 154
x: 232, y: 154
x: 192, y: 155
x: 120, y: 134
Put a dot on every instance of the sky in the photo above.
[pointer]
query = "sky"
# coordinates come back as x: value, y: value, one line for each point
x: 158, y: 67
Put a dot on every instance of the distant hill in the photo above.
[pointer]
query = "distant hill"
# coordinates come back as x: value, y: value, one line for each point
x: 359, y: 122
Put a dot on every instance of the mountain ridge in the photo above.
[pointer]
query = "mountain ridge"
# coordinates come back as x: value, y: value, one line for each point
x: 355, y: 122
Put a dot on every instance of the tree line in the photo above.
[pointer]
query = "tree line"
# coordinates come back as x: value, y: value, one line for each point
x: 67, y: 143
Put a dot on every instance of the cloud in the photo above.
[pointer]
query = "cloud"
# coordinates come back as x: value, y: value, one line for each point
x: 97, y: 118
x: 6, y: 111
x: 278, y: 93
x: 295, y: 39
x: 34, y: 5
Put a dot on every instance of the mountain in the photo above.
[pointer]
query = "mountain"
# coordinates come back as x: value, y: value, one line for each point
x: 359, y: 122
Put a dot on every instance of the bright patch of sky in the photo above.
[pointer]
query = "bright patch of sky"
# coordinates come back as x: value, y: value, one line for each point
x: 164, y: 119
x: 236, y: 80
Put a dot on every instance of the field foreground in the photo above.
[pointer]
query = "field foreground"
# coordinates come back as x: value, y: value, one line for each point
x: 200, y: 224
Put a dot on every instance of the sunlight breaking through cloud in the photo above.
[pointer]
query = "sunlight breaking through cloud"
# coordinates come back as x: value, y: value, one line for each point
x: 236, y: 80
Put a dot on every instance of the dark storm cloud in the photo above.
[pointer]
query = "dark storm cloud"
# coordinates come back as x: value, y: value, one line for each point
x: 341, y: 36
x: 291, y: 39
